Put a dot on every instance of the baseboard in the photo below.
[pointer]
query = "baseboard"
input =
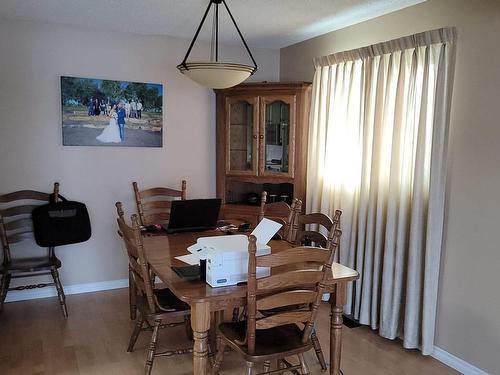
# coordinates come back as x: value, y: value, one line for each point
x: 456, y: 363
x: 22, y: 295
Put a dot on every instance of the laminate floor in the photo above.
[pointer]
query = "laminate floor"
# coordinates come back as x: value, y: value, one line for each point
x: 36, y: 339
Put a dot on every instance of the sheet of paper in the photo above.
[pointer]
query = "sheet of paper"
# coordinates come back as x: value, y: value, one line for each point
x: 196, y: 253
x: 193, y: 259
x: 198, y: 248
x: 265, y: 230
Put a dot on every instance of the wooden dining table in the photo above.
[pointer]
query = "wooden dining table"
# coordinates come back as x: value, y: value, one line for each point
x: 161, y: 251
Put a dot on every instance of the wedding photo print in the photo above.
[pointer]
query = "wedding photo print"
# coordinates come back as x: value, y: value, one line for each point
x: 99, y: 112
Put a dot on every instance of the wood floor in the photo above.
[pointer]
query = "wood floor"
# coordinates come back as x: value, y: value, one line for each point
x: 36, y: 339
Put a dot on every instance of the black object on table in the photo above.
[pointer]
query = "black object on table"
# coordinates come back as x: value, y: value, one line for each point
x: 193, y: 273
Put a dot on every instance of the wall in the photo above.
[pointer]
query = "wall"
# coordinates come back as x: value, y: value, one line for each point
x: 468, y: 322
x: 31, y: 153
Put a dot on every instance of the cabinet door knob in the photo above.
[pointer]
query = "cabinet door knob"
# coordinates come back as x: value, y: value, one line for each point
x: 255, y: 136
x: 261, y: 136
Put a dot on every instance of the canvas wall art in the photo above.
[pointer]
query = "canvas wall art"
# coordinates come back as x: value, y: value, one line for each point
x: 99, y: 112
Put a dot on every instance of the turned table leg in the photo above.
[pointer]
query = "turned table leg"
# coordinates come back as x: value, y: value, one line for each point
x: 338, y: 301
x: 200, y: 322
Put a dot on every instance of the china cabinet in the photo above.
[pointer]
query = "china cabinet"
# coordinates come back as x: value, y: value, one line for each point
x: 262, y: 133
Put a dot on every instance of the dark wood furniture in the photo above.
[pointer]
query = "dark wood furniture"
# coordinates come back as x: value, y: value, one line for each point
x: 306, y: 230
x: 16, y: 226
x: 262, y: 131
x: 161, y: 252
x: 157, y: 307
x: 309, y: 228
x: 153, y: 205
x: 282, y: 213
x: 281, y: 308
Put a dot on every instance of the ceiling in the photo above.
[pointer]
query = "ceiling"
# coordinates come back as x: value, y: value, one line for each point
x: 264, y: 23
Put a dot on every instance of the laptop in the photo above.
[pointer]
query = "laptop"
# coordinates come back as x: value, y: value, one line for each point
x: 193, y: 215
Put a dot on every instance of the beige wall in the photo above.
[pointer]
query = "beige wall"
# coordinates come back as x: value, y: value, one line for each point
x: 468, y: 324
x: 32, y: 58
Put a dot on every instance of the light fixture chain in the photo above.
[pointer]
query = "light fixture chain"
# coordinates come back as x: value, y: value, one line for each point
x: 241, y: 35
x: 183, y: 63
x: 216, y: 31
x: 212, y: 39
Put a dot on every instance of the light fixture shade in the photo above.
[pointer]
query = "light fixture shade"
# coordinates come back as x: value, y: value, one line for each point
x: 216, y: 75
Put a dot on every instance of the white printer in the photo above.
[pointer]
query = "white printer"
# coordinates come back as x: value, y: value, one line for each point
x: 227, y: 256
x: 227, y: 261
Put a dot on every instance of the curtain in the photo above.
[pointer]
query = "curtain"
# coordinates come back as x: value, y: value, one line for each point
x: 377, y: 150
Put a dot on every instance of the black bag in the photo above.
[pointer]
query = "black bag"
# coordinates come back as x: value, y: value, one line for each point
x: 61, y: 223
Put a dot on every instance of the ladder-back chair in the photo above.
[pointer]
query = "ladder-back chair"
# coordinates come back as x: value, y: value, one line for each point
x: 282, y: 308
x: 16, y: 226
x: 153, y: 205
x: 307, y: 229
x: 157, y: 307
x: 282, y: 213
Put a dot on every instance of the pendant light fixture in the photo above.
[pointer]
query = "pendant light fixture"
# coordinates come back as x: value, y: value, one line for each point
x: 213, y: 73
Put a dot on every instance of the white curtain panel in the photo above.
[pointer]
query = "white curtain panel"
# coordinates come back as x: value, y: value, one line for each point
x: 377, y: 150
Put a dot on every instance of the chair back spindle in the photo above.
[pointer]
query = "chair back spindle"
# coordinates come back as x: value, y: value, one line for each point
x: 282, y: 213
x: 15, y: 216
x: 153, y: 205
x: 311, y: 228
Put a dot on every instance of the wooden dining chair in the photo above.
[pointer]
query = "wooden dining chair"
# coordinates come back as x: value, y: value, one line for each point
x: 157, y: 307
x: 282, y: 213
x: 16, y: 226
x: 307, y: 229
x: 310, y: 228
x: 153, y: 205
x: 282, y: 308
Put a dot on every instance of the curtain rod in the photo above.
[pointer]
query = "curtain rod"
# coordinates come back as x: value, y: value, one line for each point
x: 426, y: 38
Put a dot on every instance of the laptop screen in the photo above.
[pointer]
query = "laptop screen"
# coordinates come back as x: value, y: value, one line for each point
x: 194, y: 214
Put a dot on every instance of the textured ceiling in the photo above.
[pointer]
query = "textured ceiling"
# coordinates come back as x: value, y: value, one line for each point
x: 264, y: 23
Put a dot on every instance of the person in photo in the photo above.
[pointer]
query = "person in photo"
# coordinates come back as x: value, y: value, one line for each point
x: 97, y: 110
x: 111, y: 133
x: 127, y: 109
x: 121, y: 114
x: 90, y: 107
x: 139, y: 109
x: 133, y: 109
x: 102, y: 107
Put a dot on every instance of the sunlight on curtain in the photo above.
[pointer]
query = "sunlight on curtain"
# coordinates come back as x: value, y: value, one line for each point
x: 377, y: 151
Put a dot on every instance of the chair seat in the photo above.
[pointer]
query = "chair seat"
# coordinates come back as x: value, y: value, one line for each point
x: 30, y: 265
x: 167, y: 300
x: 276, y: 342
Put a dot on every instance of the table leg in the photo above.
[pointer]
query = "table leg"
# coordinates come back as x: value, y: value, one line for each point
x: 338, y: 300
x: 200, y: 322
x: 216, y: 320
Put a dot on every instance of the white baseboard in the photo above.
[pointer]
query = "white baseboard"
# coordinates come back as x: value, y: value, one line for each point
x: 456, y: 363
x: 22, y: 295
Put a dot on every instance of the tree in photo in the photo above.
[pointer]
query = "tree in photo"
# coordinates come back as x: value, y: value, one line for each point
x: 112, y: 90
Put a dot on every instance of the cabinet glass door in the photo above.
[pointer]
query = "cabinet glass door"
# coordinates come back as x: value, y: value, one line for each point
x: 241, y: 133
x: 277, y: 135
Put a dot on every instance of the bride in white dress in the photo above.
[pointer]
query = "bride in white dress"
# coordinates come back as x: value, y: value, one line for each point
x: 111, y: 133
